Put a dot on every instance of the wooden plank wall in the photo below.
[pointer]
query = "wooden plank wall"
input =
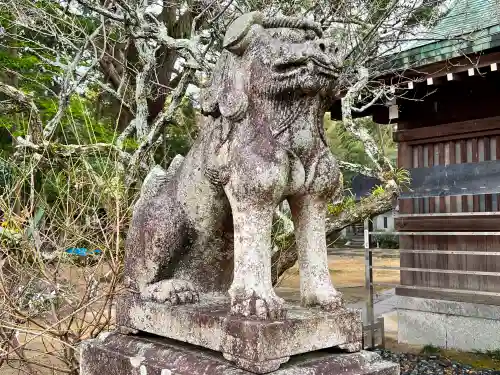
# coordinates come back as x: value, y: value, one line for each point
x: 465, y: 150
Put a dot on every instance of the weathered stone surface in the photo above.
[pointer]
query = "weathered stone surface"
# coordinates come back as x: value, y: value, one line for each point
x: 254, y: 344
x: 207, y: 227
x: 115, y: 354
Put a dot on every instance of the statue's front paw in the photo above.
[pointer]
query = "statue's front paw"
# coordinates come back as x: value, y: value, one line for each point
x: 172, y: 291
x: 327, y: 299
x: 259, y: 304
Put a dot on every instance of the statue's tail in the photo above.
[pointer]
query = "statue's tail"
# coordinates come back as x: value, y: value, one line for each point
x: 158, y: 177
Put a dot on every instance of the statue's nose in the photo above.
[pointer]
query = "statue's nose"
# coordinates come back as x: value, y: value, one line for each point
x: 329, y: 49
x: 327, y: 46
x: 321, y: 44
x: 313, y: 48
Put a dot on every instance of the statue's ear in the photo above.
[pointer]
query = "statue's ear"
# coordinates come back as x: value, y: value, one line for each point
x: 238, y: 34
x: 225, y: 94
x: 210, y: 93
x: 233, y: 100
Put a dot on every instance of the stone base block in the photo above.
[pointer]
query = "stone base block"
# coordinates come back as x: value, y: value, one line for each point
x: 116, y: 354
x: 448, y: 324
x: 255, y: 345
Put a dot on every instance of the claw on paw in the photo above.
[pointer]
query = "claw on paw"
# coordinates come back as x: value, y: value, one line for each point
x: 173, y: 291
x: 261, y: 306
x: 328, y: 301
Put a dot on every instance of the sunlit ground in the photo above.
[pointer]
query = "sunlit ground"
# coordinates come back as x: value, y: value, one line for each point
x: 347, y: 270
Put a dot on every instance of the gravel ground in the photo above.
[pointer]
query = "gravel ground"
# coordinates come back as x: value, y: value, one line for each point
x: 412, y: 364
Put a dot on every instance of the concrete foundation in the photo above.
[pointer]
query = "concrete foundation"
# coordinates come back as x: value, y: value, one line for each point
x: 116, y: 354
x: 448, y: 324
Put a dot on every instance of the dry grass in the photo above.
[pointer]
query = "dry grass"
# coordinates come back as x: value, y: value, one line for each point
x: 50, y: 301
x: 47, y: 343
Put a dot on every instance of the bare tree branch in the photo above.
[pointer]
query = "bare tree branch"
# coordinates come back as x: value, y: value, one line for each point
x: 357, y: 168
x: 377, y: 95
x: 368, y: 207
x: 70, y: 85
x: 160, y: 122
x: 117, y: 96
x: 148, y: 56
x: 371, y: 148
x: 53, y: 149
x: 102, y: 11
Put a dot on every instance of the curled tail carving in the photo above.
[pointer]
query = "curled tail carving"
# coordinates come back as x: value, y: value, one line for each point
x: 158, y: 177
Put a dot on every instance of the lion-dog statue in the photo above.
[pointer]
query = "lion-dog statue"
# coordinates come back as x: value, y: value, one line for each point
x: 207, y: 229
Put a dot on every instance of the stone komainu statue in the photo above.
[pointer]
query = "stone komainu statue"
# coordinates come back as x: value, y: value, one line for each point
x: 207, y: 229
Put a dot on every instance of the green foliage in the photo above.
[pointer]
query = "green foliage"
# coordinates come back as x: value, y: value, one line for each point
x: 401, y: 176
x: 493, y: 354
x: 6, y: 173
x: 378, y: 190
x: 386, y: 241
x: 180, y: 136
x: 345, y: 146
x: 347, y: 202
x: 430, y: 349
x: 277, y: 238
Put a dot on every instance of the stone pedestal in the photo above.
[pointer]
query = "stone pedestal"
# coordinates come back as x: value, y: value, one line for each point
x: 116, y: 354
x: 259, y: 346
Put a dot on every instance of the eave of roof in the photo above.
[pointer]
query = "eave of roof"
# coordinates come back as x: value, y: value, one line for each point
x: 471, y: 26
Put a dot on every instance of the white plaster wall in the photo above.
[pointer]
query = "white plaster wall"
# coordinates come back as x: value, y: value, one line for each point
x: 378, y: 222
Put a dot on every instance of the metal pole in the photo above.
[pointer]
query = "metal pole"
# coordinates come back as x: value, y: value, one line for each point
x: 382, y: 332
x: 369, y: 280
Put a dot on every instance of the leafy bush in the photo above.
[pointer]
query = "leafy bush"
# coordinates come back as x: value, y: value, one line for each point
x: 387, y: 241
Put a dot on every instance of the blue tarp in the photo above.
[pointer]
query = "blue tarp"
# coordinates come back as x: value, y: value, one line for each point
x: 81, y: 251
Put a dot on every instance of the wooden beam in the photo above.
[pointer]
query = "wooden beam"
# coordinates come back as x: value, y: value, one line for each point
x: 439, y: 132
x: 460, y: 136
x: 445, y: 224
x: 453, y: 77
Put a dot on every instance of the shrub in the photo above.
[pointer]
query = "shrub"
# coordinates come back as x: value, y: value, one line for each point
x: 387, y: 241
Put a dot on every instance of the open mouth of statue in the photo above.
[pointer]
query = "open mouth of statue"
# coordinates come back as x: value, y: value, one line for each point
x: 293, y: 67
x: 290, y: 66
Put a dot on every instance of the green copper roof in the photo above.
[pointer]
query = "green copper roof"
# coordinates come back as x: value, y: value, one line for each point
x: 469, y: 26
